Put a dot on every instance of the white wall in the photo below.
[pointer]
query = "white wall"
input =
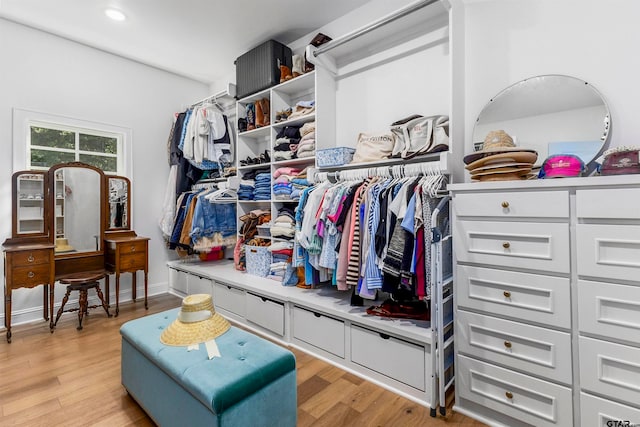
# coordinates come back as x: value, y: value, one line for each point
x: 45, y: 73
x: 594, y: 40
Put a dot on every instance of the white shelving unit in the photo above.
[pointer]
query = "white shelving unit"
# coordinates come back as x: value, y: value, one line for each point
x: 402, y: 64
x: 59, y: 206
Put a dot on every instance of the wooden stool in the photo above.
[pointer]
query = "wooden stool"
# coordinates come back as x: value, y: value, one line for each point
x: 82, y: 282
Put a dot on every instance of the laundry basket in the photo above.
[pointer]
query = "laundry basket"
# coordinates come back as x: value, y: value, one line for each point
x: 258, y: 260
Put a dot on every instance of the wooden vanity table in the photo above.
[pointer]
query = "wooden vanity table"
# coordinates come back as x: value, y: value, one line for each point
x: 68, y: 221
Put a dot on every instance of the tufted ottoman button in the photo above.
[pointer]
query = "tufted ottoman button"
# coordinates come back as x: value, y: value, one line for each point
x: 242, y: 358
x: 241, y: 343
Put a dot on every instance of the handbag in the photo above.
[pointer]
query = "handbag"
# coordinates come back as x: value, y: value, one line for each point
x: 417, y: 135
x: 373, y: 146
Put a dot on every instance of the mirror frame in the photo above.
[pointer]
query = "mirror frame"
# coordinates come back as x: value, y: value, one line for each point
x: 606, y: 124
x: 102, y: 208
x: 107, y: 225
x: 29, y: 237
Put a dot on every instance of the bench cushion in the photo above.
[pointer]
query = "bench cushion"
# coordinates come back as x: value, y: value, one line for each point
x: 248, y: 363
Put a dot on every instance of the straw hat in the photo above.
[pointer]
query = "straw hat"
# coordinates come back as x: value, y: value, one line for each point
x: 62, y: 245
x: 197, y: 322
x: 496, y: 141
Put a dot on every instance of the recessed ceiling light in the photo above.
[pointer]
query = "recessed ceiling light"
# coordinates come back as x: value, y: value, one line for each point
x: 115, y: 14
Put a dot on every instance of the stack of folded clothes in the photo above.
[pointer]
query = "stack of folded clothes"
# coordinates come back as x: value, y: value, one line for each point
x: 302, y: 108
x: 307, y: 145
x: 298, y: 184
x: 246, y: 189
x: 284, y: 225
x: 286, y: 143
x: 263, y: 186
x: 282, y: 185
x: 281, y: 268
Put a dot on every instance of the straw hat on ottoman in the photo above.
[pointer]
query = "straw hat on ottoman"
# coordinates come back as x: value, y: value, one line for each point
x: 197, y: 322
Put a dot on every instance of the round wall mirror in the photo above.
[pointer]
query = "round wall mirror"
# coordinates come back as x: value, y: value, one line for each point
x: 551, y: 114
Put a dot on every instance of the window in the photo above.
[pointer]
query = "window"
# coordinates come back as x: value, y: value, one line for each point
x: 50, y: 144
x: 42, y: 140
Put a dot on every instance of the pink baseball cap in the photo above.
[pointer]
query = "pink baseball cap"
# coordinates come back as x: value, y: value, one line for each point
x: 561, y: 166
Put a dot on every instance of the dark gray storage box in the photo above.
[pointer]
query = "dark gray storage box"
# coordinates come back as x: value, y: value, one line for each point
x: 259, y: 68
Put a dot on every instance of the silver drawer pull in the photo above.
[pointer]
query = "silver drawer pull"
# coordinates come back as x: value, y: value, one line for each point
x: 505, y: 205
x: 506, y: 294
x: 31, y: 258
x: 31, y: 274
x: 133, y: 248
x: 506, y: 245
x: 507, y: 344
x: 509, y: 395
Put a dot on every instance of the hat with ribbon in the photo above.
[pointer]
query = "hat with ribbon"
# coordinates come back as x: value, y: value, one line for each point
x: 197, y: 322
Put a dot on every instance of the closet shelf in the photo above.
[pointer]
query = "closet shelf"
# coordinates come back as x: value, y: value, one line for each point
x: 442, y: 159
x: 297, y: 121
x: 390, y: 31
x: 295, y: 162
x: 261, y: 132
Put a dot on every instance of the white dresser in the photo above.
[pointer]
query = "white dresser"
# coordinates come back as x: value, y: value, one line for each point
x: 547, y: 295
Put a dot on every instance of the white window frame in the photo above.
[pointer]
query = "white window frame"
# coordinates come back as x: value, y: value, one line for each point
x: 23, y: 120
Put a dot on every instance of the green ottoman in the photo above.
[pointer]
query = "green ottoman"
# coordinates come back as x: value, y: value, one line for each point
x: 252, y: 384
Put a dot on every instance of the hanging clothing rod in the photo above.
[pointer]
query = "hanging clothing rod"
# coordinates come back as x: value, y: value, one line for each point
x: 402, y: 170
x: 229, y: 92
x: 377, y: 24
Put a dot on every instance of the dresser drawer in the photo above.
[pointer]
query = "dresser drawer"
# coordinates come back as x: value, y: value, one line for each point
x: 530, y: 400
x: 609, y: 251
x: 398, y: 359
x: 530, y: 204
x: 319, y: 330
x: 527, y: 297
x: 609, y: 310
x: 132, y: 262
x: 513, y: 244
x: 540, y: 351
x: 266, y: 313
x: 199, y: 285
x: 25, y: 258
x: 230, y: 299
x: 610, y: 369
x: 178, y: 280
x: 614, y: 203
x: 597, y: 412
x: 133, y: 247
x: 31, y: 276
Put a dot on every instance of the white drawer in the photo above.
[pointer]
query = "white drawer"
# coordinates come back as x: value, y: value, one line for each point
x: 230, y: 299
x: 513, y: 244
x: 610, y: 369
x: 537, y: 402
x: 597, y: 412
x: 609, y: 203
x: 393, y: 357
x: 319, y: 330
x: 609, y: 310
x: 178, y: 280
x: 266, y: 313
x: 609, y: 251
x: 535, y: 350
x: 517, y: 204
x: 200, y: 285
x: 532, y: 297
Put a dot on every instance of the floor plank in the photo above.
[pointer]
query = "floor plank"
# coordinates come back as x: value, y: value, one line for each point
x: 72, y: 378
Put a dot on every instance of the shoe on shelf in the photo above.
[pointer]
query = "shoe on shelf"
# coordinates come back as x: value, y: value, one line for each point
x: 259, y: 114
x: 266, y: 110
x: 298, y: 65
x: 285, y: 73
x: 251, y: 116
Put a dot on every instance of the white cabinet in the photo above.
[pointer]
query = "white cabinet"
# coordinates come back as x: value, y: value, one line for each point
x: 319, y: 330
x: 569, y: 300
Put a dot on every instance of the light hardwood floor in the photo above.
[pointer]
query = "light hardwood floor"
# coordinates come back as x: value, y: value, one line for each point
x: 72, y: 378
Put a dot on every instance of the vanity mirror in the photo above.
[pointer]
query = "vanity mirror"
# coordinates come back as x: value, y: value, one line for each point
x: 552, y: 114
x: 78, y: 209
x: 119, y: 209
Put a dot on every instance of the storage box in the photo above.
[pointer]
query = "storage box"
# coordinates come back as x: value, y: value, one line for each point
x: 264, y: 230
x: 259, y: 68
x: 258, y: 260
x: 337, y: 156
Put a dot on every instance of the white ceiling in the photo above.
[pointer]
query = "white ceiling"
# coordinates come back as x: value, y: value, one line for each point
x: 199, y: 39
